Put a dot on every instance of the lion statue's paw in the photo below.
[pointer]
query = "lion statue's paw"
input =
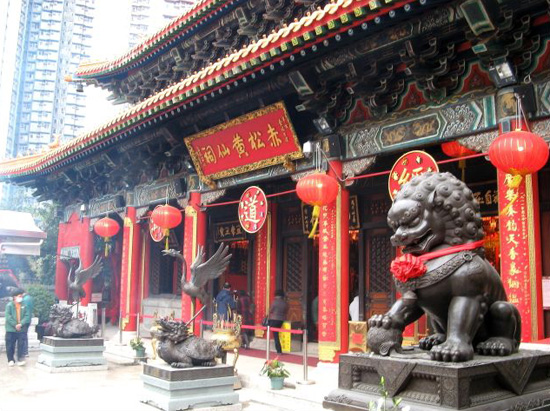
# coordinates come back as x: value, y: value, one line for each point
x: 382, y: 321
x: 181, y: 364
x: 497, y: 346
x: 452, y: 351
x: 427, y: 343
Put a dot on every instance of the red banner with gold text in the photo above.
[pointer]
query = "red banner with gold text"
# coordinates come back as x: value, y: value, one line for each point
x: 518, y: 259
x: 259, y: 139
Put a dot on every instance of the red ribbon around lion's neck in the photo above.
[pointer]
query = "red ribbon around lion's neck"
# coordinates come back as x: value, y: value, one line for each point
x: 409, y: 266
x: 451, y: 250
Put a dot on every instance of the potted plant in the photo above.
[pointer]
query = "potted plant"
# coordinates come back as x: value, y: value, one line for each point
x: 276, y: 372
x: 138, y: 347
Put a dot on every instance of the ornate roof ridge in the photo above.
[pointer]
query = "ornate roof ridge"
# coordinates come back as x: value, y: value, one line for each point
x: 137, y: 55
x: 335, y: 18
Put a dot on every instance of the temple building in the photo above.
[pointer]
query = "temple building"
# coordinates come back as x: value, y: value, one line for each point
x: 237, y: 94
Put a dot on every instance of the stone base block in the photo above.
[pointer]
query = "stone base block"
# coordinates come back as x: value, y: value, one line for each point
x: 172, y: 389
x: 75, y: 353
x: 519, y: 381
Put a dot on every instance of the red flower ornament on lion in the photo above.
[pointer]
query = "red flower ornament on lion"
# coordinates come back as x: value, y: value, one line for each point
x: 406, y: 267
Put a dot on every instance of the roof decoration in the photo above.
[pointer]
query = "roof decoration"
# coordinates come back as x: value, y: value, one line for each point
x: 177, y: 28
x: 336, y: 18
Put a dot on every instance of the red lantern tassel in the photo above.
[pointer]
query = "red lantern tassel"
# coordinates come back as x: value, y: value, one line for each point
x: 167, y: 237
x: 107, y: 247
x: 314, y: 220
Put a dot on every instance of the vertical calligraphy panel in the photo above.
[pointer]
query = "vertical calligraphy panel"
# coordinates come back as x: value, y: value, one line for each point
x: 334, y: 274
x: 264, y: 264
x: 520, y: 251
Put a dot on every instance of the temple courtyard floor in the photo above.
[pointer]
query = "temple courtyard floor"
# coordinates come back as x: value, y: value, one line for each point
x: 119, y: 388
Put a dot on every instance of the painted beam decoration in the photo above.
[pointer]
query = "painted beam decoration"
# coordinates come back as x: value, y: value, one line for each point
x: 256, y: 140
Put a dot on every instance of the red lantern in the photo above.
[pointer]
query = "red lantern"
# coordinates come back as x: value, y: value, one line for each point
x: 519, y: 152
x: 317, y: 190
x: 166, y: 217
x: 456, y: 150
x: 106, y: 228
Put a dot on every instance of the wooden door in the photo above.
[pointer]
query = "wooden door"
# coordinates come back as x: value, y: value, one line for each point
x: 378, y: 280
x: 294, y: 277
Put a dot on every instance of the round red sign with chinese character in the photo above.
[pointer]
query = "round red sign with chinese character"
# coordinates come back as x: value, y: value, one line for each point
x: 408, y: 166
x: 156, y: 232
x: 252, y: 209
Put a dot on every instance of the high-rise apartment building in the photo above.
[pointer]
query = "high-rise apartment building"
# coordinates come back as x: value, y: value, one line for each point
x: 53, y: 37
x: 149, y: 15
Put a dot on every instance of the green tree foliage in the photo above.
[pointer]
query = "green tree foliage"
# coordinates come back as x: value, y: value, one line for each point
x: 35, y: 269
x: 43, y: 300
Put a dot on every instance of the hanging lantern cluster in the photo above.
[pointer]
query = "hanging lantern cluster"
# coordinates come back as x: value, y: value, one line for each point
x: 317, y: 190
x: 106, y: 228
x: 166, y: 217
x: 518, y: 153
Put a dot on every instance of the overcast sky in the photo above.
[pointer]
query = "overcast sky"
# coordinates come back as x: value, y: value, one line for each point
x: 109, y: 40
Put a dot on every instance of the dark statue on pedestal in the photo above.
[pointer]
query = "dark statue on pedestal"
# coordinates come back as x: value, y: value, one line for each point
x: 63, y: 325
x: 182, y: 349
x: 443, y: 273
x: 177, y: 346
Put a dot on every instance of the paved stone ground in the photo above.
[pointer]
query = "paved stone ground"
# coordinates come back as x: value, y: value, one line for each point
x: 118, y: 388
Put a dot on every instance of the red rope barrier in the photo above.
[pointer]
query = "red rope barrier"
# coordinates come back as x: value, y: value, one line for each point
x: 261, y: 327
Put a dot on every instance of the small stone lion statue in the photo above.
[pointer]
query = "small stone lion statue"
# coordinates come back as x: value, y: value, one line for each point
x: 181, y: 349
x: 443, y: 272
x: 63, y: 325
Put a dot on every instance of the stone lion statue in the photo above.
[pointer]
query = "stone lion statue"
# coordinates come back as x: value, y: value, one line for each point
x: 443, y: 273
x: 62, y: 324
x: 182, y: 349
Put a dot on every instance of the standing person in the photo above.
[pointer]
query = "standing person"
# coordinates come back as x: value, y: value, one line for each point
x: 225, y: 301
x: 244, y: 307
x: 277, y: 315
x: 17, y: 317
x: 29, y: 303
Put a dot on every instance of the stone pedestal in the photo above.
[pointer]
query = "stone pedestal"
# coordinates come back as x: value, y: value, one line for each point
x: 519, y: 381
x: 34, y: 343
x: 71, y: 354
x: 172, y: 389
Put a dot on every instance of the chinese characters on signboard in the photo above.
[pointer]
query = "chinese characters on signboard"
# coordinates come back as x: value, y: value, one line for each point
x: 228, y: 231
x: 409, y: 165
x: 515, y: 250
x: 157, y: 233
x: 259, y: 139
x: 252, y: 209
x: 487, y: 197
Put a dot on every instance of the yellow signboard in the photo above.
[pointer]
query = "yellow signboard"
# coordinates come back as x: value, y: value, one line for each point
x: 284, y: 338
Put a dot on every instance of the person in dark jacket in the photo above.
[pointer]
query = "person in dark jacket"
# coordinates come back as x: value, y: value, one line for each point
x: 277, y: 315
x: 244, y: 307
x: 225, y: 301
x: 18, y: 317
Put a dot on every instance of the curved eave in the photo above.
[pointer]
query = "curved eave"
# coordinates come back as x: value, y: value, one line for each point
x: 202, y: 13
x: 335, y: 19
